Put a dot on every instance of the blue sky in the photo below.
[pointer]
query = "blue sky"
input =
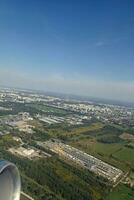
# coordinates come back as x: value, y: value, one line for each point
x: 81, y: 47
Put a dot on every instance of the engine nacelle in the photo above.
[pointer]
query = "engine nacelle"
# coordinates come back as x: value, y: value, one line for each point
x: 10, y: 184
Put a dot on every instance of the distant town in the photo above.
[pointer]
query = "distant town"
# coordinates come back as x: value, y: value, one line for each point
x: 83, y: 110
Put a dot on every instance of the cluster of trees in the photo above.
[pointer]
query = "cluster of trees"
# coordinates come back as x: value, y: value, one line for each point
x: 7, y: 141
x: 40, y: 135
x: 37, y: 191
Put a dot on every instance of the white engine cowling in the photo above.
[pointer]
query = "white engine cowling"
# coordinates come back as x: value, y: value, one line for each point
x: 10, y: 184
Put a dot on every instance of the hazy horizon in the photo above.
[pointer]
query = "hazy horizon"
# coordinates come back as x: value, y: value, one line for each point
x: 71, y: 96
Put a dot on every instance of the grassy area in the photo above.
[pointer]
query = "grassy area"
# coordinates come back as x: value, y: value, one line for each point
x: 93, y: 147
x: 125, y: 154
x: 122, y: 192
x: 71, y: 132
x: 92, y: 127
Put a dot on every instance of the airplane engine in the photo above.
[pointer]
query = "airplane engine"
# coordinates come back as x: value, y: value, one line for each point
x: 10, y: 184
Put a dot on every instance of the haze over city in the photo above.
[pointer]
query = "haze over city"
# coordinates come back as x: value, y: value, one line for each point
x: 83, y: 48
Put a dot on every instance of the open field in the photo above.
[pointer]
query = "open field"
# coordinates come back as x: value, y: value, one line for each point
x: 125, y: 154
x: 93, y: 127
x: 122, y: 192
x: 92, y: 146
x: 75, y: 131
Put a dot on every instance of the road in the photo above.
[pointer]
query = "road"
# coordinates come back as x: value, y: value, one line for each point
x: 25, y: 196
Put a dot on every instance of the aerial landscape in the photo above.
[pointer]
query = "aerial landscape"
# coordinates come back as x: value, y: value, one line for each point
x: 67, y: 100
x: 68, y: 149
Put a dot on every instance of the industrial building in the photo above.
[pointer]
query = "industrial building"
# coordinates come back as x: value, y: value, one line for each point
x: 88, y: 161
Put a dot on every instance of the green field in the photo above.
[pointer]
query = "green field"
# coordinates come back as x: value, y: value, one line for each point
x: 125, y: 154
x: 92, y: 146
x: 74, y: 131
x: 122, y: 192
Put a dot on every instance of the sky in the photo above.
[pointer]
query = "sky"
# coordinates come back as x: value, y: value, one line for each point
x: 83, y: 47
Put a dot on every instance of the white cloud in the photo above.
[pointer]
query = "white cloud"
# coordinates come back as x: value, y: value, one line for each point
x: 113, y: 41
x: 100, y: 43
